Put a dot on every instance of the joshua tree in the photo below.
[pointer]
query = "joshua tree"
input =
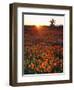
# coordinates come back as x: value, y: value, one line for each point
x: 52, y: 21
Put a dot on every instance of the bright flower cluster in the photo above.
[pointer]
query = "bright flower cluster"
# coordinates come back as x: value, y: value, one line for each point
x: 41, y: 58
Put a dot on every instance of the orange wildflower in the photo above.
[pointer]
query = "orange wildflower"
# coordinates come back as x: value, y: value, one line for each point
x: 32, y: 65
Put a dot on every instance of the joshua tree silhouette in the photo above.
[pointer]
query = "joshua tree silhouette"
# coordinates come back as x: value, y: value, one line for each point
x: 52, y: 21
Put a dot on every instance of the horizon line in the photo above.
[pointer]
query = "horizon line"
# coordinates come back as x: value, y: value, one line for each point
x: 44, y: 25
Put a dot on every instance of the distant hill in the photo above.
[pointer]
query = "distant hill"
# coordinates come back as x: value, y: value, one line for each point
x: 49, y: 27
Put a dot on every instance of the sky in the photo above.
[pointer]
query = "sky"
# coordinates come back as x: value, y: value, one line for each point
x: 42, y: 20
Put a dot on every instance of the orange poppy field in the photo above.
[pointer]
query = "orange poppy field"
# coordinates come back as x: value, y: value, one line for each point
x: 43, y: 49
